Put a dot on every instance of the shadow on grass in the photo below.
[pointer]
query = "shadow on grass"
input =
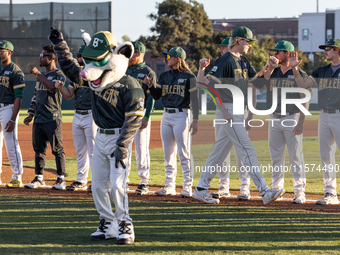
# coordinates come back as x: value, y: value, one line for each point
x: 37, y: 225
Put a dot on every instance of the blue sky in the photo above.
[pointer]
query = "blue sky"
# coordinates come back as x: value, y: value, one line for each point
x: 130, y: 16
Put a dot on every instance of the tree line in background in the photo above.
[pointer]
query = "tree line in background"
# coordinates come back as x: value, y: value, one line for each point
x: 178, y: 23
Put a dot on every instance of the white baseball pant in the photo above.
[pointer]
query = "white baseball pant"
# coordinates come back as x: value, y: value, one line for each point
x: 228, y: 136
x: 224, y: 181
x: 104, y: 175
x: 175, y: 131
x: 280, y: 134
x: 84, y: 131
x: 329, y: 139
x: 11, y: 142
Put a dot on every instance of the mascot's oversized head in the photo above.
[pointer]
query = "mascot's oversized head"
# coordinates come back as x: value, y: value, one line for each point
x: 105, y: 61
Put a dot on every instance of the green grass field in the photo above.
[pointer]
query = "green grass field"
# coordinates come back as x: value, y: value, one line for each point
x: 51, y: 225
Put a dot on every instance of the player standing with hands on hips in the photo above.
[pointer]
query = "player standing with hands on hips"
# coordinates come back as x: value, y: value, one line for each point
x: 12, y: 84
x: 174, y: 88
x: 231, y: 68
x: 139, y: 70
x: 326, y: 77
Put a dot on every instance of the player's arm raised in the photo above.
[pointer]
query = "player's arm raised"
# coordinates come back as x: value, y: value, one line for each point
x: 300, y: 81
x: 49, y: 85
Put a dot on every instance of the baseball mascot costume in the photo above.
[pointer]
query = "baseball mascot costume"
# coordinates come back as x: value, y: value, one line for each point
x: 118, y: 107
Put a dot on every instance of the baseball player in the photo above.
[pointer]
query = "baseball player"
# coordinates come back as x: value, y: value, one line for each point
x: 139, y: 70
x: 239, y: 72
x: 47, y: 126
x: 83, y: 127
x: 223, y: 191
x: 326, y: 77
x: 12, y: 81
x: 174, y: 88
x: 281, y: 135
x: 117, y: 108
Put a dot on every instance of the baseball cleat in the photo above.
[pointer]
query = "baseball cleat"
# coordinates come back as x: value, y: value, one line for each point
x: 221, y: 193
x: 187, y: 192
x: 272, y: 195
x: 60, y: 184
x: 89, y: 189
x: 244, y: 195
x: 205, y: 196
x: 142, y: 189
x: 328, y: 199
x: 126, y: 235
x: 14, y: 184
x: 166, y: 192
x: 36, y: 183
x: 299, y: 199
x: 76, y: 186
x: 106, y: 230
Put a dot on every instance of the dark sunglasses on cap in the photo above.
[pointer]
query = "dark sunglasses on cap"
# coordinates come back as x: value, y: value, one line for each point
x: 277, y: 52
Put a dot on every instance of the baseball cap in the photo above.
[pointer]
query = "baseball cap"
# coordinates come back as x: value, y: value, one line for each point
x: 243, y: 32
x: 101, y: 43
x: 6, y: 45
x: 139, y: 47
x: 283, y: 45
x: 177, y: 52
x: 330, y: 43
x: 225, y: 42
x: 80, y: 50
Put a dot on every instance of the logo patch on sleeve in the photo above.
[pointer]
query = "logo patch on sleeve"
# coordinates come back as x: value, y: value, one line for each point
x: 214, y: 69
x: 141, y: 75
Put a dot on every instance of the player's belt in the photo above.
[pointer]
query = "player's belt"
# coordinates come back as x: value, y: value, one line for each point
x: 115, y: 131
x: 330, y: 111
x: 82, y: 112
x: 3, y: 105
x: 277, y: 115
x: 173, y: 110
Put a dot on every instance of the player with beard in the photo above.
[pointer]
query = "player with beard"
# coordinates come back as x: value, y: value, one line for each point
x: 327, y: 79
x: 12, y: 84
x: 281, y: 135
x: 47, y: 126
x: 139, y: 70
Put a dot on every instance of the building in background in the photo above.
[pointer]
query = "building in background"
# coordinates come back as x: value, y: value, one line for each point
x: 278, y: 28
x: 316, y: 28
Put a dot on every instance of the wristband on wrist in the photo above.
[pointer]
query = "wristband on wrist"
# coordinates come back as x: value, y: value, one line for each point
x: 37, y: 73
x: 146, y: 118
x: 11, y: 120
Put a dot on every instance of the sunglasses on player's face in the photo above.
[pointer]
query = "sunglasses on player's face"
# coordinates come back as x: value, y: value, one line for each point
x: 42, y: 55
x: 249, y: 42
x: 328, y: 48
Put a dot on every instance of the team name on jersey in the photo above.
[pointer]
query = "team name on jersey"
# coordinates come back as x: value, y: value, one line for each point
x: 4, y: 81
x: 39, y: 86
x: 240, y: 74
x: 281, y: 83
x: 109, y: 95
x: 329, y: 84
x: 173, y: 89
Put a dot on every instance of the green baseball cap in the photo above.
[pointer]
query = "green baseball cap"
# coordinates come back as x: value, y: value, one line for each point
x: 139, y: 47
x: 330, y: 43
x: 6, y: 45
x: 80, y: 50
x: 177, y: 52
x: 225, y: 42
x: 243, y: 32
x: 283, y: 45
x: 101, y: 43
